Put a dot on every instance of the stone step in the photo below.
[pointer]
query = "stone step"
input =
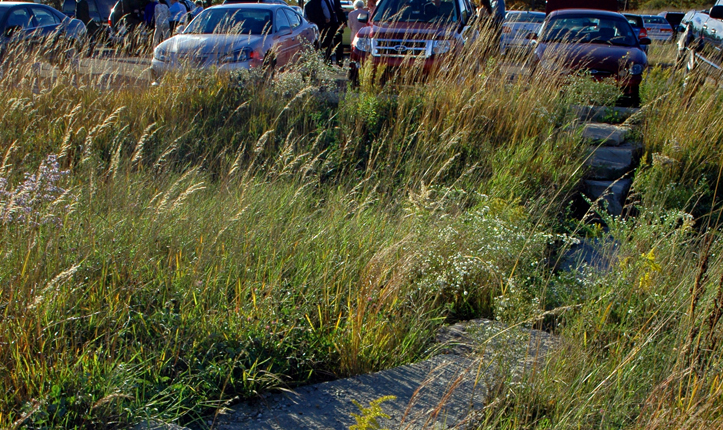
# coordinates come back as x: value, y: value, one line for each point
x: 613, y: 162
x: 613, y: 192
x: 596, y: 254
x: 605, y: 134
x: 436, y: 393
x: 613, y: 115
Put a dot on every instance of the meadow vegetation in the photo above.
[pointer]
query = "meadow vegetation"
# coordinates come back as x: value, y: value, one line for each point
x: 167, y: 250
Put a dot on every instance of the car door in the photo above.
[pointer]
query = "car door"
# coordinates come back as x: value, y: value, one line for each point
x: 301, y: 37
x: 284, y: 41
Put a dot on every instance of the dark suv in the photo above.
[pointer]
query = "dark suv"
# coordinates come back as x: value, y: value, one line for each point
x: 402, y: 30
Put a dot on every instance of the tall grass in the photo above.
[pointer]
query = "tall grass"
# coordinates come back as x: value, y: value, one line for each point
x: 643, y: 349
x: 217, y: 236
x: 169, y: 249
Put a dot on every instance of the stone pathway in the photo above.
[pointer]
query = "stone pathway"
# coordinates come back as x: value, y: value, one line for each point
x: 436, y: 393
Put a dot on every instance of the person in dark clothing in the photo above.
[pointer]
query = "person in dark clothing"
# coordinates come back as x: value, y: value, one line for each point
x: 496, y: 11
x: 333, y: 31
x: 82, y: 12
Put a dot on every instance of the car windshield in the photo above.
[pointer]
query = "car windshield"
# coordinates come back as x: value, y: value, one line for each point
x: 536, y: 18
x: 589, y: 29
x: 654, y: 20
x: 231, y: 21
x: 634, y: 21
x: 416, y: 11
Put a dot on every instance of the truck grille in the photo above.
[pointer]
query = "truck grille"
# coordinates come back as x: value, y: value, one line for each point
x: 400, y: 48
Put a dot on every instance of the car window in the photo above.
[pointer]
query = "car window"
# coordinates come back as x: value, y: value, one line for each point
x: 282, y: 21
x: 69, y: 7
x: 535, y: 18
x: 654, y: 20
x: 19, y: 17
x: 293, y: 18
x: 634, y: 21
x: 44, y: 17
x: 231, y: 21
x: 463, y: 12
x: 589, y: 29
x: 416, y: 11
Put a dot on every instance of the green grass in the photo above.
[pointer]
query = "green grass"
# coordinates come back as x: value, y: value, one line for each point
x: 216, y: 237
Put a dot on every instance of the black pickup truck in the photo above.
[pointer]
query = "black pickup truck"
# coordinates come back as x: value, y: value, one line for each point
x: 702, y: 38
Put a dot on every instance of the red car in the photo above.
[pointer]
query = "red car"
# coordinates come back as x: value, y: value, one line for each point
x: 598, y: 42
x: 400, y: 31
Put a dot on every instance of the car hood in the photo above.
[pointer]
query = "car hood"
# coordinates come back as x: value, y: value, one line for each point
x: 188, y: 45
x: 590, y: 56
x: 409, y: 30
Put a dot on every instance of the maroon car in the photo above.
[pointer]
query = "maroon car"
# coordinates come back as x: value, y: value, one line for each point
x: 598, y: 42
x: 400, y: 31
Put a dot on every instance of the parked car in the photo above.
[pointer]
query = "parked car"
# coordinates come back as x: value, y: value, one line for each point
x: 674, y: 19
x: 636, y: 21
x: 254, y: 1
x: 400, y: 31
x: 99, y: 10
x: 517, y: 26
x: 236, y: 36
x: 553, y: 5
x: 704, y: 42
x: 658, y: 28
x: 31, y: 25
x: 597, y: 42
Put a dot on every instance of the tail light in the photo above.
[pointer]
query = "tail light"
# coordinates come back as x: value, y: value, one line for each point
x: 643, y: 33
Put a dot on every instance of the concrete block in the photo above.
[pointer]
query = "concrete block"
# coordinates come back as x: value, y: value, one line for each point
x: 605, y: 134
x: 612, y: 162
x: 613, y: 192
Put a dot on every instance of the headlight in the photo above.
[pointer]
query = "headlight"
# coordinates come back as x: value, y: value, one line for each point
x: 441, y: 46
x: 240, y: 56
x: 160, y: 55
x: 363, y: 43
x: 636, y: 69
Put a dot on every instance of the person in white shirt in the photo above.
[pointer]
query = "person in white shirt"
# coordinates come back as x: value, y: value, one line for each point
x: 162, y: 16
x: 354, y: 24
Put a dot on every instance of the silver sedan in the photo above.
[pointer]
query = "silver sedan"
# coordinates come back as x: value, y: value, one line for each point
x: 237, y: 36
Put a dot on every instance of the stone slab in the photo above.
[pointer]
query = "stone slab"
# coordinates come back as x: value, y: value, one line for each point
x: 613, y: 192
x: 603, y: 113
x: 605, y: 134
x: 596, y: 254
x: 611, y: 163
x: 433, y: 394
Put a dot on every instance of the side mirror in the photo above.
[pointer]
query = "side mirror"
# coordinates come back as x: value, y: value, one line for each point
x: 363, y: 18
x: 645, y: 41
x: 10, y: 31
x: 716, y: 12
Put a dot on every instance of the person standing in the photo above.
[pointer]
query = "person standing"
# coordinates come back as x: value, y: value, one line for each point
x: 178, y: 14
x: 162, y: 16
x: 354, y: 24
x: 496, y: 11
x: 332, y: 35
x: 316, y: 12
x: 198, y: 9
x: 82, y: 11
